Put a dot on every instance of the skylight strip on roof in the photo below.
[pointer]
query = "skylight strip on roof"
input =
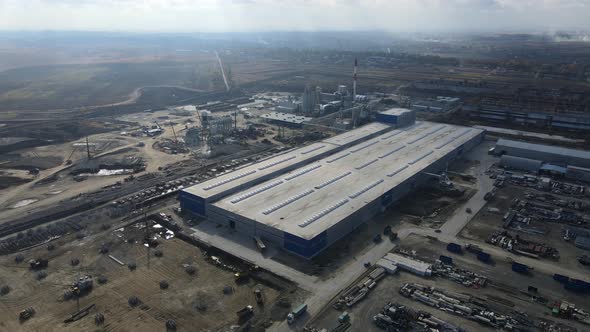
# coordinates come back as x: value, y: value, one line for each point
x: 463, y: 133
x: 364, y: 146
x: 314, y: 149
x: 338, y: 158
x: 287, y: 202
x: 445, y: 143
x: 322, y: 213
x: 230, y: 179
x: 397, y: 171
x: 392, y: 151
x: 365, y: 189
x: 366, y: 164
x: 256, y: 191
x: 426, y: 134
x: 329, y: 182
x: 420, y: 158
x: 302, y: 172
x: 395, y: 133
x: 275, y: 163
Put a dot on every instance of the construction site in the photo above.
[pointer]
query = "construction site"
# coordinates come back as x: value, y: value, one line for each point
x: 339, y: 192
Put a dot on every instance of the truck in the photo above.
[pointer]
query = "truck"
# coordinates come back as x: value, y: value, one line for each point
x: 484, y: 257
x: 446, y: 260
x: 297, y: 312
x: 82, y: 285
x: 26, y: 314
x: 38, y: 264
x: 258, y: 296
x: 520, y: 268
x: 245, y: 311
x: 344, y: 317
x: 241, y: 277
x: 454, y: 248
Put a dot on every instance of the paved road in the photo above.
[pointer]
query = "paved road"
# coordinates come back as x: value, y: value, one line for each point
x: 461, y: 218
x: 222, y: 71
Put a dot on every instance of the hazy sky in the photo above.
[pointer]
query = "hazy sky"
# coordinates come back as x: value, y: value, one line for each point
x: 265, y: 15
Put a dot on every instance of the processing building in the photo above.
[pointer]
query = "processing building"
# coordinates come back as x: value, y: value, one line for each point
x: 541, y: 158
x: 308, y: 198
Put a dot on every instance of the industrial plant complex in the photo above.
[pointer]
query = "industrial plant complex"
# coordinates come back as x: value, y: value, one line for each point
x: 306, y: 199
x: 409, y: 186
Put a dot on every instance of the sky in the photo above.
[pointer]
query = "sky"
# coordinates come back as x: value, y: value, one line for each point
x: 294, y: 15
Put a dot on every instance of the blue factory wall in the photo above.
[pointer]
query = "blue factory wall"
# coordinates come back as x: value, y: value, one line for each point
x: 193, y: 204
x: 386, y: 118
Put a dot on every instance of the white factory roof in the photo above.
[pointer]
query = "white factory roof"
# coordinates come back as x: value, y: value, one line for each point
x: 268, y: 166
x: 286, y: 117
x: 355, y: 134
x: 314, y: 197
x: 555, y: 150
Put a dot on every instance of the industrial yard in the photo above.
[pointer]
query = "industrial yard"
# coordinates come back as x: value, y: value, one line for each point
x: 343, y: 184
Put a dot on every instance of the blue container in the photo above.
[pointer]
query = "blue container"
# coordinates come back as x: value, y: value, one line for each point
x: 575, y: 287
x: 454, y: 248
x: 446, y: 260
x: 520, y: 268
x: 561, y: 278
x: 484, y: 257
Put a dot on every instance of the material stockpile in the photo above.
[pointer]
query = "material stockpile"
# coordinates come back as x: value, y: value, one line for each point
x: 519, y: 245
x: 464, y: 306
x: 460, y: 276
x: 361, y: 289
x: 396, y: 317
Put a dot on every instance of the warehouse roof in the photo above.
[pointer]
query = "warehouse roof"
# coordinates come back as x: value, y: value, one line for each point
x: 542, y: 148
x: 314, y: 197
x: 286, y: 117
x: 527, y: 164
x: 395, y: 111
x: 244, y: 175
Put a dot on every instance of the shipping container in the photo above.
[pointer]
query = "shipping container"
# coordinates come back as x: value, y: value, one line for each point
x: 446, y: 260
x: 454, y: 248
x: 561, y: 278
x: 484, y: 257
x: 520, y: 268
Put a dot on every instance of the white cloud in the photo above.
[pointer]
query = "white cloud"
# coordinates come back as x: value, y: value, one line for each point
x: 257, y: 15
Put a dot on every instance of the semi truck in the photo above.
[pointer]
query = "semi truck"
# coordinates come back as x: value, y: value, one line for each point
x: 297, y: 312
x: 454, y: 248
x: 258, y: 296
x: 245, y: 311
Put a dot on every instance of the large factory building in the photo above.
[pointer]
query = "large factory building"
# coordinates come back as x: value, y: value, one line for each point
x: 308, y: 198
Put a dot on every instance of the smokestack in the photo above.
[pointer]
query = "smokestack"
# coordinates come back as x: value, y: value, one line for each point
x: 354, y: 80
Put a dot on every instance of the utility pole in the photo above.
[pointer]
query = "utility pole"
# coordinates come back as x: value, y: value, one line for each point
x: 147, y: 236
x: 87, y: 148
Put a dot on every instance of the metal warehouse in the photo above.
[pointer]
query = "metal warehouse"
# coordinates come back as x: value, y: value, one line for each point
x: 545, y: 153
x: 306, y: 199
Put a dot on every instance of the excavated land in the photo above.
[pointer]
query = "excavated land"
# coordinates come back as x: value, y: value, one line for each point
x: 195, y: 302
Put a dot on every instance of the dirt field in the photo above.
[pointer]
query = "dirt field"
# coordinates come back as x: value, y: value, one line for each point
x: 196, y: 303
